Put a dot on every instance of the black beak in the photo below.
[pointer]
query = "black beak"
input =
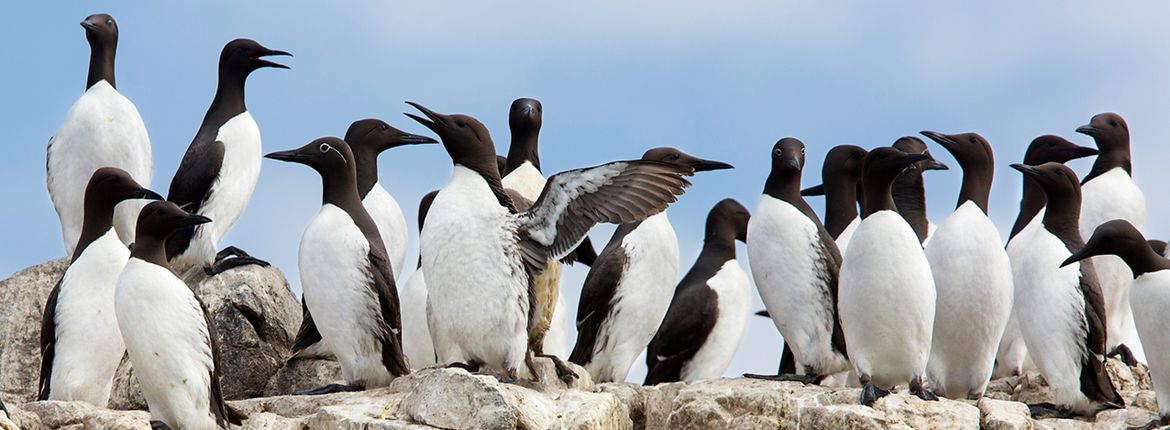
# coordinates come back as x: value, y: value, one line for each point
x: 815, y: 190
x: 1084, y: 151
x: 195, y: 220
x: 272, y: 52
x: 764, y: 313
x: 942, y: 139
x: 934, y: 164
x: 708, y: 165
x: 148, y: 194
x: 1081, y: 254
x: 414, y: 139
x: 89, y: 26
x: 433, y: 120
x: 1026, y: 169
x: 290, y: 155
x: 914, y: 158
x: 1088, y: 130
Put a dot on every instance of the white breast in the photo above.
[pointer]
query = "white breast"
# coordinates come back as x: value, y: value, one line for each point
x: 391, y: 225
x: 1113, y: 195
x: 640, y: 301
x: 1150, y: 296
x: 231, y: 190
x: 335, y: 277
x: 526, y: 180
x: 416, y: 337
x: 973, y: 279
x: 167, y: 339
x: 103, y: 128
x: 89, y: 345
x: 847, y: 234
x: 785, y: 255
x: 1050, y: 310
x: 887, y: 300
x: 733, y: 290
x: 477, y: 303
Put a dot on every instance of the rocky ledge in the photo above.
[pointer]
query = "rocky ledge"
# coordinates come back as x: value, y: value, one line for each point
x: 256, y: 314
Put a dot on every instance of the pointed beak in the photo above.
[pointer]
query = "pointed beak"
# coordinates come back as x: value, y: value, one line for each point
x: 1026, y: 169
x: 942, y: 139
x: 934, y: 164
x: 815, y: 190
x: 764, y: 313
x: 1083, y: 253
x: 291, y: 155
x: 273, y: 64
x: 708, y: 165
x: 414, y: 139
x: 1087, y: 130
x: 1084, y: 151
x: 195, y: 220
x: 89, y: 26
x: 148, y: 194
x: 433, y: 120
x: 914, y: 158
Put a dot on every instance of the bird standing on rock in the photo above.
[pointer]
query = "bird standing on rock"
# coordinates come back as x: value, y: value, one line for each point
x: 482, y: 256
x: 627, y: 291
x: 169, y: 337
x: 102, y: 128
x: 220, y: 168
x: 345, y: 274
x: 887, y: 294
x: 709, y: 310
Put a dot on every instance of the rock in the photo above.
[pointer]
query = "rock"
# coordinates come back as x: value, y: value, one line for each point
x: 1122, y: 418
x: 270, y: 421
x: 459, y: 400
x: 54, y: 414
x: 303, y: 374
x: 126, y: 394
x: 255, y: 314
x: 1003, y: 415
x: 23, y: 295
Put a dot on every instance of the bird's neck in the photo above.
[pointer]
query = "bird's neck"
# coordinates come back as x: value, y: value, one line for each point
x: 150, y: 249
x: 877, y: 197
x: 909, y: 197
x: 784, y: 185
x: 524, y: 147
x: 367, y: 170
x: 840, y: 206
x: 1145, y: 260
x: 340, y: 190
x: 98, y: 222
x: 1063, y: 215
x: 1031, y: 203
x: 1112, y: 156
x: 101, y: 64
x: 976, y: 186
x: 229, y: 98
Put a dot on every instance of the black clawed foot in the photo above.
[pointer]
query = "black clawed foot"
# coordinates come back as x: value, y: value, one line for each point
x: 1124, y: 354
x: 511, y: 377
x: 564, y: 372
x: 788, y: 377
x: 871, y: 393
x: 330, y: 389
x: 924, y: 394
x: 230, y: 251
x: 159, y: 425
x: 221, y: 266
x: 1047, y: 410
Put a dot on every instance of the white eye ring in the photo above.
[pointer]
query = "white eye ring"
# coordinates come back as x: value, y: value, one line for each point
x: 325, y: 147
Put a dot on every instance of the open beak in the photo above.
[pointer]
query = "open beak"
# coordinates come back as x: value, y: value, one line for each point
x: 1088, y: 130
x: 1026, y: 170
x: 290, y: 155
x: 708, y: 165
x: 195, y: 220
x: 815, y: 190
x: 433, y: 120
x: 268, y: 63
x: 148, y: 194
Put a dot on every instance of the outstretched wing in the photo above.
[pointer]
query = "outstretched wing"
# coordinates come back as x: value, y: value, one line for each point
x: 572, y: 202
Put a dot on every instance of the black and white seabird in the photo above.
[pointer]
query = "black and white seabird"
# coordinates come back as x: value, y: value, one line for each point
x: 709, y: 311
x: 368, y: 138
x: 841, y: 186
x: 347, y: 282
x: 1149, y: 296
x: 796, y: 265
x: 887, y: 294
x: 1060, y: 310
x: 102, y: 128
x: 169, y: 336
x: 481, y: 256
x: 972, y: 278
x: 521, y: 174
x: 628, y: 289
x: 220, y: 168
x: 1012, y: 358
x: 81, y: 346
x: 1110, y: 193
x: 909, y: 192
x: 416, y: 337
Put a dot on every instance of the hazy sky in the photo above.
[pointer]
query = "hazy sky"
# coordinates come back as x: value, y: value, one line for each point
x: 615, y: 79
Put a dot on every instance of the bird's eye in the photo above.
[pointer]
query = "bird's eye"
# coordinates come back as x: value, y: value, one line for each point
x: 325, y: 147
x: 1051, y: 144
x: 460, y: 124
x: 673, y: 156
x: 383, y: 127
x: 801, y: 151
x: 972, y: 140
x: 777, y: 151
x: 1113, y: 123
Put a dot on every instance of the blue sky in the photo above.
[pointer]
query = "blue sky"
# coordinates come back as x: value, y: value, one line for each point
x: 615, y: 79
